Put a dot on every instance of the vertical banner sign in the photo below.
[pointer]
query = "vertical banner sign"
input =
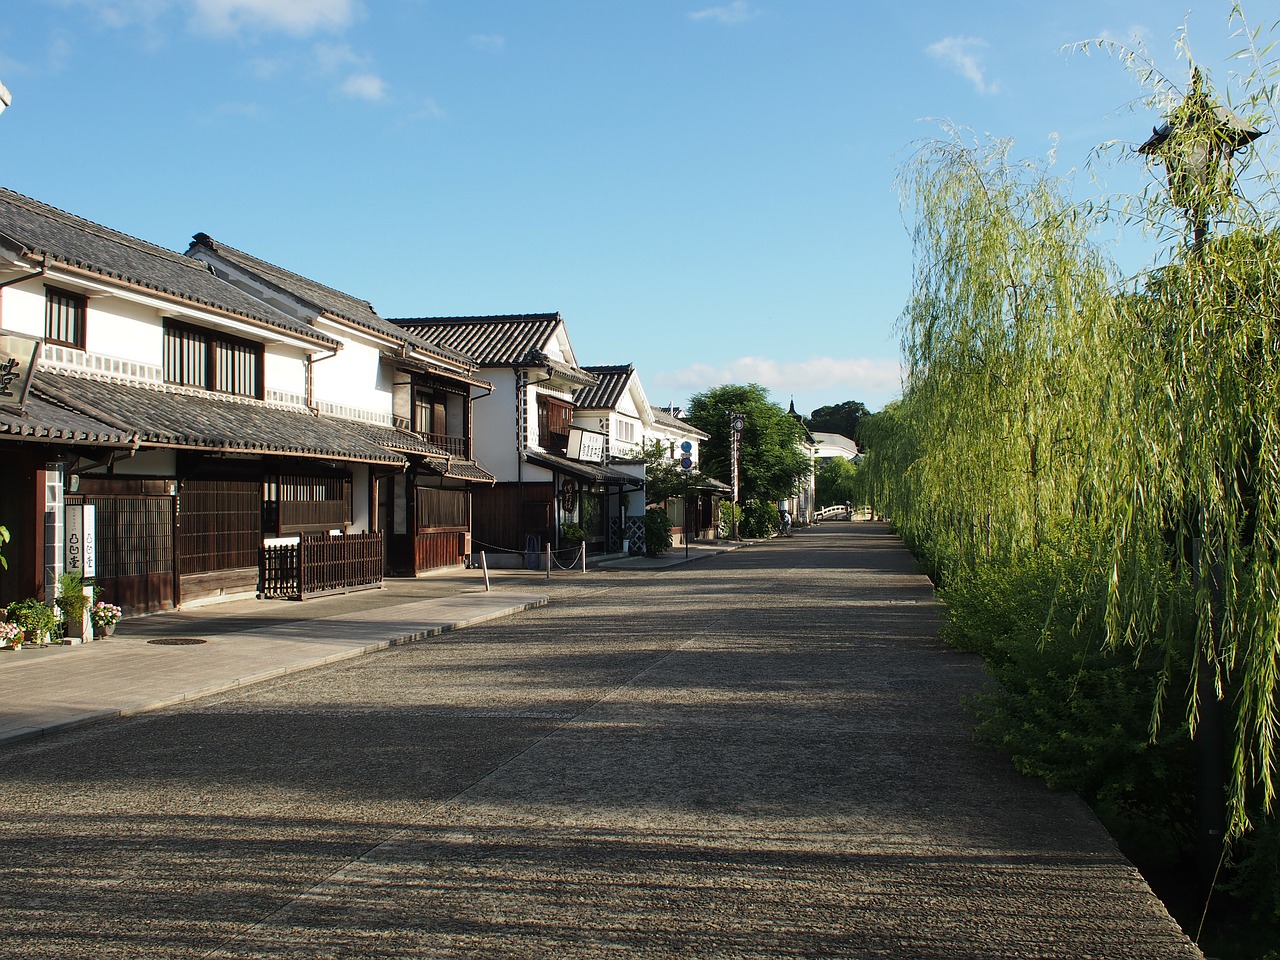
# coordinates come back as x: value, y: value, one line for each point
x: 73, y: 555
x: 90, y: 541
x: 81, y: 554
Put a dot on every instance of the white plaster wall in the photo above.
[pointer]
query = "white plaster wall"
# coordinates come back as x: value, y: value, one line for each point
x: 22, y: 308
x: 284, y: 371
x: 361, y: 521
x: 114, y: 327
x: 351, y: 377
x: 493, y: 426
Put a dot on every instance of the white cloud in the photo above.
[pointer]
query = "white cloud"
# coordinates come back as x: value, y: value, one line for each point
x: 488, y: 42
x: 428, y: 109
x: 861, y: 378
x: 964, y: 56
x: 737, y: 11
x: 364, y: 86
x: 298, y: 17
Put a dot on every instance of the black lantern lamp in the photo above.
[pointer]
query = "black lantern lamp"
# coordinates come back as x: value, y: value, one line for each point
x: 1196, y: 145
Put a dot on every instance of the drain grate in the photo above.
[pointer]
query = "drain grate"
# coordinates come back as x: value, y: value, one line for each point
x: 176, y: 641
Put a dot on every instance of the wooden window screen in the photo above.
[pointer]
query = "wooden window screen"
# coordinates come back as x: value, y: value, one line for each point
x: 134, y: 536
x: 308, y: 503
x: 64, y: 317
x: 209, y: 361
x: 219, y: 525
x: 438, y: 508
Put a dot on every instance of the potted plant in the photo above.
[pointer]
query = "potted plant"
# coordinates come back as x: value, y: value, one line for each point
x: 71, y: 601
x: 37, y: 621
x: 10, y: 635
x: 105, y: 616
x: 572, y: 536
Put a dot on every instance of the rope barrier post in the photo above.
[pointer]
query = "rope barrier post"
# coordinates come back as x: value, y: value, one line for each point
x: 548, y: 561
x: 484, y: 565
x: 584, y: 556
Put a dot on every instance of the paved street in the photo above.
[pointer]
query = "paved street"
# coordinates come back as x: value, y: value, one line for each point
x: 760, y: 754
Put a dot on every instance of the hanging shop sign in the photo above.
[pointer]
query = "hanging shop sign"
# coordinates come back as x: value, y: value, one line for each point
x: 585, y: 445
x: 19, y: 356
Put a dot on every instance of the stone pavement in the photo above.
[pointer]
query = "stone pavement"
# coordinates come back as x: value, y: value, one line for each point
x: 43, y: 690
x: 762, y: 755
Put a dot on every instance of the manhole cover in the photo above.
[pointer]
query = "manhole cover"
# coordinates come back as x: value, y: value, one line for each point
x: 176, y: 641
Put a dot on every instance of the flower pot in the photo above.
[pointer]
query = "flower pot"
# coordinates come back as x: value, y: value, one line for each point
x: 105, y: 630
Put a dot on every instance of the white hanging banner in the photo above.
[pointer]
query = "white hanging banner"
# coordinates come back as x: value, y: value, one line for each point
x: 81, y: 550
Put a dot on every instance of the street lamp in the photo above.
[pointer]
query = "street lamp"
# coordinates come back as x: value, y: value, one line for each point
x: 6, y: 97
x: 737, y: 423
x: 1196, y: 144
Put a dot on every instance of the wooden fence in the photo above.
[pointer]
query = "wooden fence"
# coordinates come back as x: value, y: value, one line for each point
x: 319, y: 565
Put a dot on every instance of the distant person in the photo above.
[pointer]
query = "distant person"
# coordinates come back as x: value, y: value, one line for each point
x: 786, y: 524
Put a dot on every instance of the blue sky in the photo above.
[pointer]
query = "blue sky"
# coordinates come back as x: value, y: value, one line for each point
x: 704, y: 188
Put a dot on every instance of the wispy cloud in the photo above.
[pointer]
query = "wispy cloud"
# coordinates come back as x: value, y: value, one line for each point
x: 428, y: 109
x: 359, y: 81
x: 298, y: 17
x: 364, y: 86
x: 861, y: 378
x: 488, y: 42
x: 737, y: 11
x: 964, y: 56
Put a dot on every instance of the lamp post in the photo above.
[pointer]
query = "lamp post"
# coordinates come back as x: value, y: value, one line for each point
x: 737, y: 422
x: 6, y: 97
x: 1196, y: 144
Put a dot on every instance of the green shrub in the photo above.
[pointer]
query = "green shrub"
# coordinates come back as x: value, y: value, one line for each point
x: 724, y: 528
x: 1071, y: 710
x: 760, y: 520
x: 657, y: 532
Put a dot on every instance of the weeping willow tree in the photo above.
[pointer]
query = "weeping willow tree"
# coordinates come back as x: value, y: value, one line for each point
x: 1190, y: 480
x: 1041, y: 397
x: 1001, y: 337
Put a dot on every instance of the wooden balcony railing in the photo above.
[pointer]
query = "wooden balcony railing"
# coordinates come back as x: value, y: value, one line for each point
x: 319, y: 565
x: 454, y: 446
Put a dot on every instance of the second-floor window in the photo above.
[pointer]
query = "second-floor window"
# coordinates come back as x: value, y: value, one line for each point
x: 64, y: 317
x: 554, y: 418
x: 194, y: 357
x: 429, y: 414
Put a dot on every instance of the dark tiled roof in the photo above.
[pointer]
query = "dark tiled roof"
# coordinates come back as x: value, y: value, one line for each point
x: 49, y: 421
x: 564, y: 371
x: 469, y: 470
x: 403, y: 441
x: 165, y: 418
x: 324, y: 299
x: 610, y: 386
x: 491, y: 341
x: 67, y: 239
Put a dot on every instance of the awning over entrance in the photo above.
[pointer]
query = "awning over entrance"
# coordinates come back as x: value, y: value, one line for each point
x: 581, y: 470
